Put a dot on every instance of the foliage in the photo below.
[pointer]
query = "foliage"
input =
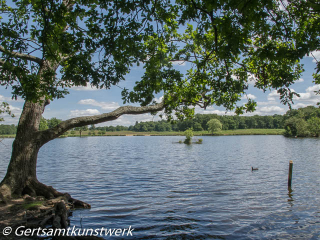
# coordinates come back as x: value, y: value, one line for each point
x: 296, y: 127
x: 4, y: 108
x: 43, y: 124
x: 8, y: 129
x: 189, y: 134
x: 80, y: 129
x: 214, y: 125
x: 314, y: 126
x: 101, y: 133
x: 53, y: 122
x: 200, y: 123
x: 96, y: 43
x: 197, y: 126
x: 302, y: 122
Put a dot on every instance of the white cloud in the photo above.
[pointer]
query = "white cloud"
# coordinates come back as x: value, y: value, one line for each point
x: 299, y: 105
x: 158, y: 100
x: 268, y: 110
x: 315, y: 55
x: 266, y: 103
x: 309, y: 97
x: 300, y: 80
x: 262, y: 111
x: 179, y: 63
x: 4, y: 99
x: 127, y: 120
x: 8, y: 119
x: 251, y: 96
x: 15, y: 110
x: 85, y: 88
x: 251, y: 79
x: 273, y: 96
x: 88, y: 112
x: 313, y: 88
x: 271, y: 109
x: 9, y: 99
x: 212, y: 110
x: 104, y: 105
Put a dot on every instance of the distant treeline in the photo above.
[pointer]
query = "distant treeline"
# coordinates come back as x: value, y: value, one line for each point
x: 199, y: 123
x: 297, y: 122
x: 8, y: 129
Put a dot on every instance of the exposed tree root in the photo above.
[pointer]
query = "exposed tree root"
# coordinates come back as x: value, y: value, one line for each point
x: 40, y: 206
x: 34, y: 188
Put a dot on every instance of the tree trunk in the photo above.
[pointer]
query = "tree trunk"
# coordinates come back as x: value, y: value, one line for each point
x: 21, y: 174
x: 21, y: 177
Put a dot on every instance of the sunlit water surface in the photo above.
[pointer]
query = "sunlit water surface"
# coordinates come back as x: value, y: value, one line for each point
x: 166, y: 190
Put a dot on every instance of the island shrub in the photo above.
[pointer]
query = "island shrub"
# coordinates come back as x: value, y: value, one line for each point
x: 189, y: 134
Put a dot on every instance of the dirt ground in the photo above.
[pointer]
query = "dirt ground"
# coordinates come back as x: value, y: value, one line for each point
x: 27, y: 211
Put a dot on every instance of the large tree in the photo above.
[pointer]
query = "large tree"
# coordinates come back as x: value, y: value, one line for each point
x: 48, y: 46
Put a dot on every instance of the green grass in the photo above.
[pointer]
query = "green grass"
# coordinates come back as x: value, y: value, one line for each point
x: 32, y: 205
x: 7, y: 136
x: 248, y: 132
x: 200, y: 133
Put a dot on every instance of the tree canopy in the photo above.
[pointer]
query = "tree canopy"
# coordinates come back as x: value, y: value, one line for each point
x: 303, y: 122
x: 225, y: 43
x: 214, y: 125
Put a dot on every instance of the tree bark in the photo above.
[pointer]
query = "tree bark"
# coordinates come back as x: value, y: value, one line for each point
x: 21, y: 174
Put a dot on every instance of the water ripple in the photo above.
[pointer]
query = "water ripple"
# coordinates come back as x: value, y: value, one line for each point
x: 174, y: 191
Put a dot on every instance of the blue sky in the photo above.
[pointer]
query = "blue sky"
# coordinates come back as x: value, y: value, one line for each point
x: 83, y: 101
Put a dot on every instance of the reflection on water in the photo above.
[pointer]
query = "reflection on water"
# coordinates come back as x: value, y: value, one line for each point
x: 290, y: 197
x: 174, y: 191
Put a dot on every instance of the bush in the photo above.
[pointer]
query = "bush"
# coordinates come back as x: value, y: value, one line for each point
x: 214, y: 125
x: 296, y: 127
x: 189, y: 134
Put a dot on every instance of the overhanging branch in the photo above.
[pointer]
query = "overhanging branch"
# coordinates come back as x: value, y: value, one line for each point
x: 52, y: 133
x: 21, y: 55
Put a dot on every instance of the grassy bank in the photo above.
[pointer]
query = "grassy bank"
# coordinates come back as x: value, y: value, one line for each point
x: 200, y: 133
x: 7, y: 136
x: 248, y: 132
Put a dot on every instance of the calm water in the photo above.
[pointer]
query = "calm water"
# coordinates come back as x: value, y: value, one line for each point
x: 166, y: 190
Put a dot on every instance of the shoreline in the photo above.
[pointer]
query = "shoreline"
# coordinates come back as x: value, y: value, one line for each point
x: 199, y: 133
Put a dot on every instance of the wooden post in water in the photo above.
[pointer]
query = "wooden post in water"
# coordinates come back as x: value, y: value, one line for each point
x: 290, y: 174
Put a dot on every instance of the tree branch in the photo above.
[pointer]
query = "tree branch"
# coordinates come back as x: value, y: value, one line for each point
x: 52, y: 133
x: 21, y: 55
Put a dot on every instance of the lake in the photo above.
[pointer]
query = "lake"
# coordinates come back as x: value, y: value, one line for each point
x: 166, y: 190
